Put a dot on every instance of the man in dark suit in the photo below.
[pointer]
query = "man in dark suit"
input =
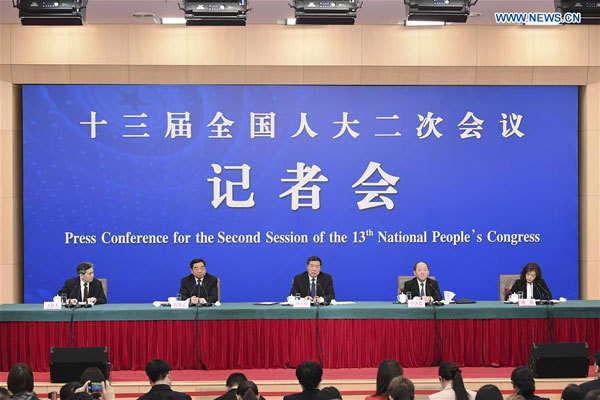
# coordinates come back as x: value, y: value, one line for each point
x: 232, y: 383
x: 421, y: 285
x: 309, y: 374
x: 595, y: 384
x: 313, y: 284
x: 84, y: 288
x: 159, y: 374
x: 199, y: 286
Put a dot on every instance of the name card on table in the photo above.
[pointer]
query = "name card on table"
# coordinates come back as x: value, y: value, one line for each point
x: 50, y: 305
x: 416, y: 303
x: 301, y: 303
x: 180, y: 304
x: 526, y: 302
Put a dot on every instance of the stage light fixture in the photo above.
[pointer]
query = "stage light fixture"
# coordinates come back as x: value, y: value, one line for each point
x: 206, y: 12
x: 438, y: 10
x: 325, y: 12
x: 51, y: 12
x: 589, y: 9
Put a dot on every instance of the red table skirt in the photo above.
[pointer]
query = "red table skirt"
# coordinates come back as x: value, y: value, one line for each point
x: 247, y: 344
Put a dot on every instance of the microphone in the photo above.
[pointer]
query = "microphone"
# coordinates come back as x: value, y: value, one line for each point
x: 322, y: 291
x: 71, y: 296
x: 207, y: 304
x: 542, y: 291
x: 438, y: 292
x: 194, y: 290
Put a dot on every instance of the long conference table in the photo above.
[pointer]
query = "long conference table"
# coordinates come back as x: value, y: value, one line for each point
x: 246, y: 336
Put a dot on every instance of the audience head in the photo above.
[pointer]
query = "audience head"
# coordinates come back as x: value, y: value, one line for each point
x: 531, y: 272
x: 247, y: 390
x: 82, y: 396
x: 158, y: 371
x: 489, y: 392
x: 450, y: 374
x: 20, y: 379
x: 68, y: 390
x: 597, y: 363
x: 592, y: 395
x: 4, y: 393
x: 401, y: 388
x: 572, y: 392
x: 309, y: 374
x: 522, y: 380
x: 92, y: 374
x: 235, y: 379
x: 388, y: 370
x: 329, y: 393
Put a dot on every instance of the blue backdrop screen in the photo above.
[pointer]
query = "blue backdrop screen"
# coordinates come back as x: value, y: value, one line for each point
x: 477, y: 181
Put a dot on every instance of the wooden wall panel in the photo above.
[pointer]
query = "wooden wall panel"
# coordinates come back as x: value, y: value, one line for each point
x: 504, y: 45
x: 389, y: 75
x: 162, y: 74
x: 560, y: 75
x: 451, y: 75
x: 39, y: 73
x: 5, y: 40
x: 594, y: 45
x: 10, y: 164
x: 504, y: 76
x: 565, y: 45
x: 448, y: 45
x: 331, y: 45
x: 158, y: 45
x: 10, y: 97
x: 95, y: 44
x: 218, y: 45
x: 40, y: 44
x: 389, y: 45
x: 279, y: 75
x: 332, y: 75
x: 274, y: 45
x: 217, y: 74
x: 99, y: 74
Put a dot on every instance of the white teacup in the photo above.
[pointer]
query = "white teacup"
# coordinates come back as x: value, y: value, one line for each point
x: 402, y: 298
x: 514, y: 298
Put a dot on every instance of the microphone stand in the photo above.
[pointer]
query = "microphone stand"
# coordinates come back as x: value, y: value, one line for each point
x: 317, y: 335
x: 436, y: 334
x: 198, y: 342
x: 207, y: 304
x: 549, y: 314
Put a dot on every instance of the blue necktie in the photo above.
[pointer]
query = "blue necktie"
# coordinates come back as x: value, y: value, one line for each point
x: 422, y: 290
x: 313, y: 287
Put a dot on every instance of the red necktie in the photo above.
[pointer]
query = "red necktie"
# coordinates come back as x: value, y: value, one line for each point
x: 85, y: 292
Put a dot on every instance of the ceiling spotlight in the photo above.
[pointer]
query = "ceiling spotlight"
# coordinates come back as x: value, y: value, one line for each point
x: 438, y: 10
x: 579, y: 11
x: 342, y: 12
x: 51, y: 12
x: 206, y: 12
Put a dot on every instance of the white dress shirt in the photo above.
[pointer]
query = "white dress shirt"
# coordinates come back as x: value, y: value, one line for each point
x: 529, y: 290
x: 82, y: 287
